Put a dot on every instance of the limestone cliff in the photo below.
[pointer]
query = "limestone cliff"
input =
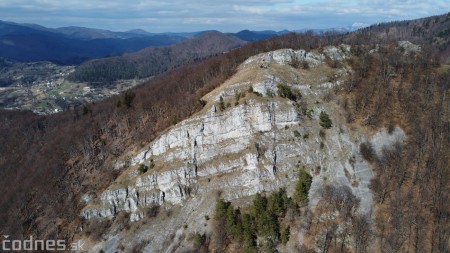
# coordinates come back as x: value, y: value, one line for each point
x: 247, y: 139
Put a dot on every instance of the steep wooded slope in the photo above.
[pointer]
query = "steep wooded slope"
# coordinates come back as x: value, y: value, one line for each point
x: 432, y: 33
x: 371, y: 170
x: 155, y: 60
x: 48, y: 163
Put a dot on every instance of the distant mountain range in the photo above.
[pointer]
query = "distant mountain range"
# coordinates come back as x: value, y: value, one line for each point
x: 71, y: 45
x: 253, y: 36
x: 74, y: 45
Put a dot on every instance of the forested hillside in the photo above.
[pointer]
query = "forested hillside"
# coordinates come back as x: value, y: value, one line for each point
x: 48, y: 162
x: 154, y: 60
x: 433, y: 33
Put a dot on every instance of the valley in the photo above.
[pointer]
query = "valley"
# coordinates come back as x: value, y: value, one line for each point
x: 46, y: 87
x: 43, y: 88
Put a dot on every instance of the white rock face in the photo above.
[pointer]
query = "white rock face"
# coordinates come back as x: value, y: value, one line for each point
x: 337, y: 54
x: 197, y: 148
x: 284, y: 57
x: 256, y: 144
x: 409, y: 47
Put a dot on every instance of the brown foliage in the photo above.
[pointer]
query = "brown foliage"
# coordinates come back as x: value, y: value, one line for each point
x: 411, y: 185
x: 95, y: 229
x: 337, y: 225
x: 48, y: 162
x: 367, y: 151
x: 152, y: 61
x: 431, y: 33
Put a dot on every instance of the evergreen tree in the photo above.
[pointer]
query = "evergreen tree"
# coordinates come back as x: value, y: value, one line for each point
x: 285, y: 234
x: 221, y: 104
x: 302, y: 187
x: 128, y: 98
x: 230, y: 222
x: 325, y: 120
x: 248, y: 234
x: 221, y: 209
x: 259, y: 205
x: 285, y: 92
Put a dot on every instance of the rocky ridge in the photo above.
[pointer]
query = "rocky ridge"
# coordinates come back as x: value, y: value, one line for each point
x: 246, y: 140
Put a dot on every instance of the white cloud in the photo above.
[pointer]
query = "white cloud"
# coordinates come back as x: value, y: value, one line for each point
x: 231, y: 15
x: 358, y: 25
x: 251, y: 9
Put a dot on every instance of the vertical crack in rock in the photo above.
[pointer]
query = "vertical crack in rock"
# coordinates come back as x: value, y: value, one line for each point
x: 274, y: 161
x: 272, y: 118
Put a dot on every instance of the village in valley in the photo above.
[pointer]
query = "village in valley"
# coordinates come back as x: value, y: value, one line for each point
x: 44, y: 88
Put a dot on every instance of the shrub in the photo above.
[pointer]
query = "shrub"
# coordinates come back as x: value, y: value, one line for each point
x: 285, y: 234
x: 308, y: 113
x: 325, y: 120
x: 198, y: 241
x: 199, y: 104
x: 86, y: 110
x: 297, y: 134
x: 153, y: 211
x: 367, y: 151
x: 305, y: 65
x: 257, y: 94
x: 142, y: 168
x: 295, y: 62
x: 322, y: 133
x: 96, y: 229
x: 285, y: 92
x: 221, y: 104
x: 152, y: 164
x: 302, y: 187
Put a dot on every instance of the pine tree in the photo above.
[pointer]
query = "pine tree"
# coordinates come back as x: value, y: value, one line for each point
x: 128, y: 98
x: 325, y: 120
x: 285, y: 234
x: 302, y: 187
x: 221, y: 104
x: 221, y: 209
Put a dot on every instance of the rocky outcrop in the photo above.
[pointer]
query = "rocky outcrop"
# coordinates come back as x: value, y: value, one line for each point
x: 285, y: 57
x: 208, y: 145
x: 248, y: 145
x: 248, y: 140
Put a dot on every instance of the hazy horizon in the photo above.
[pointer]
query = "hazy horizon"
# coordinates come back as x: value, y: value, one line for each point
x: 230, y: 16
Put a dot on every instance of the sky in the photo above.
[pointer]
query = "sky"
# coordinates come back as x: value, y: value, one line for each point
x: 222, y: 15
